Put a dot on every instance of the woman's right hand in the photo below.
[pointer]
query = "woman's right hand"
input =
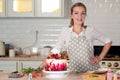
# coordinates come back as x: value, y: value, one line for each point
x: 43, y: 64
x: 95, y: 60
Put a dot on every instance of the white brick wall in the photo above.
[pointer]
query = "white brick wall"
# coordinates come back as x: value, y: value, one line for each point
x: 21, y: 32
x: 102, y: 14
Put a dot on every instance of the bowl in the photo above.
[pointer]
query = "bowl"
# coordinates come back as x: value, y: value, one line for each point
x: 56, y: 74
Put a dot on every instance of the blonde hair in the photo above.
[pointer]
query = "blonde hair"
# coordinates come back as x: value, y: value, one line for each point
x: 75, y: 5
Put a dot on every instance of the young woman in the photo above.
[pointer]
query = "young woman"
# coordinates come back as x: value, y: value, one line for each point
x: 79, y: 39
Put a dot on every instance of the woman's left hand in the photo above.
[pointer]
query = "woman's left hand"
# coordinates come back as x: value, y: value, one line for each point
x: 95, y: 60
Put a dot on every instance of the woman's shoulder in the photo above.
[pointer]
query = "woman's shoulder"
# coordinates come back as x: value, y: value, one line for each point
x: 90, y: 28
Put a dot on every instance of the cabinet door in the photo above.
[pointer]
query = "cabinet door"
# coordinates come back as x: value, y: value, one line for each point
x: 9, y: 65
x: 2, y: 8
x: 32, y: 64
x: 20, y: 8
x: 50, y: 8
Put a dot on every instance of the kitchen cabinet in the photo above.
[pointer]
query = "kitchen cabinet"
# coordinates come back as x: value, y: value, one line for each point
x: 2, y: 8
x: 9, y: 65
x: 18, y: 65
x: 27, y: 64
x: 50, y: 8
x: 20, y: 8
x: 53, y: 8
x: 33, y: 8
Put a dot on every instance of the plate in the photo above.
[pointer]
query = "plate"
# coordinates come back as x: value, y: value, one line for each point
x: 56, y: 74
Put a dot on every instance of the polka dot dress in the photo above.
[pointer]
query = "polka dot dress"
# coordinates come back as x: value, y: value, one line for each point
x: 79, y: 53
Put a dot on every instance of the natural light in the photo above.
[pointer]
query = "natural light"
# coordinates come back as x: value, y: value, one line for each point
x: 50, y: 6
x: 20, y: 6
x: 0, y: 5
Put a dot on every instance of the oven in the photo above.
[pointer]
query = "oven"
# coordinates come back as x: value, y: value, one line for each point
x: 112, y: 59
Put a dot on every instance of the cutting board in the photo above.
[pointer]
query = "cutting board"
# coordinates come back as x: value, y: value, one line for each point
x: 90, y: 76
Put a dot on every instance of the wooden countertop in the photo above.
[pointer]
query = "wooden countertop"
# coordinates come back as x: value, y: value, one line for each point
x: 34, y: 58
x: 71, y: 76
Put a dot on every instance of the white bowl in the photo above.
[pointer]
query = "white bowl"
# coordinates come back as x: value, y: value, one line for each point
x: 56, y: 74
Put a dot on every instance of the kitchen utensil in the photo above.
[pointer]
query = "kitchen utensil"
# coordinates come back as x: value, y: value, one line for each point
x: 11, y: 53
x: 45, y: 50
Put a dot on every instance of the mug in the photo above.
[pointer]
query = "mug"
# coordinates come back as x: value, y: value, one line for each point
x: 11, y: 53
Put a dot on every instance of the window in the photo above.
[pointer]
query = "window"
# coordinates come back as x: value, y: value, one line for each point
x: 50, y: 8
x: 0, y: 5
x: 22, y: 6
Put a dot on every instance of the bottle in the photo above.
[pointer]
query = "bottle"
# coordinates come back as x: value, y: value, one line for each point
x: 34, y: 49
x: 118, y: 77
x: 115, y: 76
x: 109, y: 74
x: 29, y: 76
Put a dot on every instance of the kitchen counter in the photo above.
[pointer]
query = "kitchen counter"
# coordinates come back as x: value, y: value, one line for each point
x: 34, y: 58
x: 71, y: 76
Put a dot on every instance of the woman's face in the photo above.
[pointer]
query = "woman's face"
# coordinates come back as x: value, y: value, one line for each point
x: 78, y: 15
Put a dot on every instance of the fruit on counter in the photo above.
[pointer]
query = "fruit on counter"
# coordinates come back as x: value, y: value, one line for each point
x: 56, y: 65
x: 34, y: 72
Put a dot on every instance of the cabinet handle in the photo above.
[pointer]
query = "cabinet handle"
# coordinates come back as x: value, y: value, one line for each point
x: 17, y: 66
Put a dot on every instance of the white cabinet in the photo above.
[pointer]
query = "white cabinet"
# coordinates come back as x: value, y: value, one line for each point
x: 27, y: 64
x: 50, y: 8
x: 18, y: 65
x: 2, y: 8
x: 33, y: 8
x: 9, y: 65
x: 20, y: 8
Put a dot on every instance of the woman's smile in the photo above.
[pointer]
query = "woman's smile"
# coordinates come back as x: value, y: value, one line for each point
x: 78, y: 15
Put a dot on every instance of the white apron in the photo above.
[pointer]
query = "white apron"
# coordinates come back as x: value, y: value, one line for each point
x: 79, y: 53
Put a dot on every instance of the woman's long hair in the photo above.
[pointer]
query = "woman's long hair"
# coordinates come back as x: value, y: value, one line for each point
x: 75, y: 5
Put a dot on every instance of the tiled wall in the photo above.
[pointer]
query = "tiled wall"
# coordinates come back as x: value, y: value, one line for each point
x: 102, y: 14
x: 21, y: 32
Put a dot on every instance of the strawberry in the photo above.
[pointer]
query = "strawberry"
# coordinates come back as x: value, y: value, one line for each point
x: 34, y: 74
x: 39, y: 73
x: 52, y: 67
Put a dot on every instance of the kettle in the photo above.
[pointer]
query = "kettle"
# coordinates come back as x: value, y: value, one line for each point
x: 2, y: 48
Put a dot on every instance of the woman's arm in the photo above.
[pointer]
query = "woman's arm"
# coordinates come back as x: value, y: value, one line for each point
x: 105, y: 50
x: 97, y: 59
x: 107, y: 43
x: 43, y: 64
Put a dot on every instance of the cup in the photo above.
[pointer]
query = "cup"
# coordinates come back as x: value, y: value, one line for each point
x: 11, y: 53
x: 47, y: 51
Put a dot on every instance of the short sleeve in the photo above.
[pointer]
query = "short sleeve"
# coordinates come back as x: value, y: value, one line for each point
x: 100, y: 36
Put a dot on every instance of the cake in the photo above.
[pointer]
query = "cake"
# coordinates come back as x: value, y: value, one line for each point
x: 55, y: 63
